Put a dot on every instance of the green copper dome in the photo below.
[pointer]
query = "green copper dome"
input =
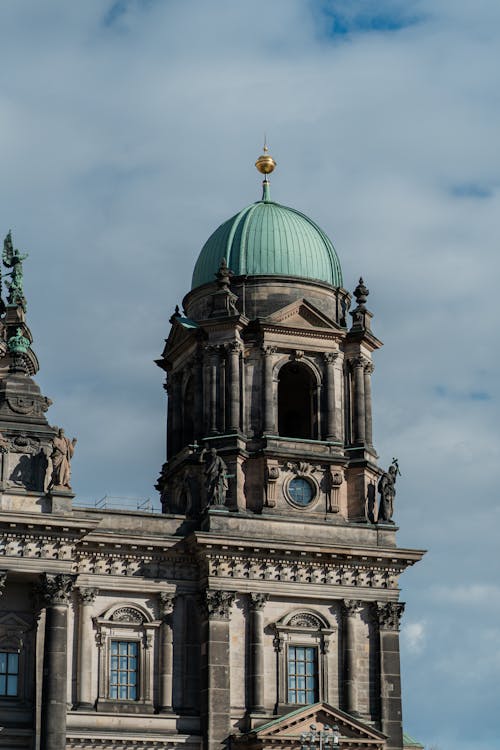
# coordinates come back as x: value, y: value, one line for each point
x: 269, y: 239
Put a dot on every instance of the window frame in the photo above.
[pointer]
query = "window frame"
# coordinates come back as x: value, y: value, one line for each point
x: 302, y: 628
x: 126, y: 622
x: 296, y: 673
x: 128, y: 685
x: 17, y: 674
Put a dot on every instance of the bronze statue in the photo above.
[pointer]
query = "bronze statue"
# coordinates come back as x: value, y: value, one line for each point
x: 62, y: 453
x: 12, y: 258
x: 387, y: 489
x: 216, y: 483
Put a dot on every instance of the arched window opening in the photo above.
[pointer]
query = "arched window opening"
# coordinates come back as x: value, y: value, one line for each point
x: 296, y: 402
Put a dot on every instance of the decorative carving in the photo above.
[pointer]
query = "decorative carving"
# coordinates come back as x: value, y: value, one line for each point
x: 234, y: 346
x: 389, y: 614
x: 267, y: 351
x: 369, y: 367
x: 258, y: 600
x: 330, y: 357
x: 351, y: 607
x: 128, y: 614
x: 216, y: 476
x: 361, y: 293
x: 301, y: 468
x: 305, y: 620
x: 298, y: 354
x: 56, y: 589
x: 387, y: 488
x: 62, y: 453
x: 3, y: 581
x: 330, y: 484
x: 166, y: 604
x: 218, y: 604
x: 88, y: 595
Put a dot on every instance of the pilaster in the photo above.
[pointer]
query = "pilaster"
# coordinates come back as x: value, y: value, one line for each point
x: 56, y: 593
x: 388, y: 615
x: 257, y: 603
x: 87, y: 599
x: 215, y: 687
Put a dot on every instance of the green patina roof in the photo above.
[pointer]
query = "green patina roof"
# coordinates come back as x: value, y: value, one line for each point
x: 266, y: 238
x: 410, y: 742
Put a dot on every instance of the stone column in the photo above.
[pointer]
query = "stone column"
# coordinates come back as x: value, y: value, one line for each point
x: 269, y: 426
x: 56, y: 592
x: 213, y: 353
x: 198, y: 395
x: 368, y: 370
x: 215, y: 686
x: 357, y: 365
x: 86, y: 646
x: 388, y: 615
x: 166, y: 651
x: 257, y: 602
x: 168, y: 389
x: 331, y: 422
x: 176, y: 402
x: 234, y: 349
x: 351, y: 609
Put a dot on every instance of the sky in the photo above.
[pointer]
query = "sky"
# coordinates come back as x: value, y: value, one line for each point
x: 129, y: 131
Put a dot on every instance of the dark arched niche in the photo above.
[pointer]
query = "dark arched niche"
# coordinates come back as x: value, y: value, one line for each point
x: 296, y: 402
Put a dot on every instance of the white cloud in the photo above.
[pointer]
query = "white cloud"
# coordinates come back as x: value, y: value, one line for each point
x: 124, y: 145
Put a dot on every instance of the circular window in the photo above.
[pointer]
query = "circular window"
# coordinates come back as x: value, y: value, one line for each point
x: 301, y: 491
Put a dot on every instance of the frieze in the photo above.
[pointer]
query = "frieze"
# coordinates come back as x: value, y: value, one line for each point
x: 331, y: 573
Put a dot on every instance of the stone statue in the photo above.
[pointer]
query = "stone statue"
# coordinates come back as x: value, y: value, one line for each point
x: 387, y: 489
x: 216, y: 483
x: 62, y: 453
x: 12, y: 258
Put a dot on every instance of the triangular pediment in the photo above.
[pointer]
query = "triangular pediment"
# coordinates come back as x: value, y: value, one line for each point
x: 182, y: 332
x: 302, y: 314
x: 287, y: 730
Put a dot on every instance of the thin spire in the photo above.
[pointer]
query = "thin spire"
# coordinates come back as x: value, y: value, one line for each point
x: 265, y: 165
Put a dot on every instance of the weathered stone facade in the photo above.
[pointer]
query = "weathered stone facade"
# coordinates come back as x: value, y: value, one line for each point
x: 190, y: 628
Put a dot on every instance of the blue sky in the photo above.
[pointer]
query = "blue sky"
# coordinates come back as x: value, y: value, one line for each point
x: 129, y: 132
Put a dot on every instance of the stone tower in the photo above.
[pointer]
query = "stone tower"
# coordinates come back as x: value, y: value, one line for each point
x: 270, y: 460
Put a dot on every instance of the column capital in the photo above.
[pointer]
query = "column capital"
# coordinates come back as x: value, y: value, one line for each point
x: 88, y: 594
x: 268, y: 350
x: 351, y: 607
x: 257, y: 601
x: 369, y: 367
x: 234, y: 347
x: 389, y: 614
x: 218, y: 604
x: 330, y: 357
x: 56, y: 588
x: 358, y: 361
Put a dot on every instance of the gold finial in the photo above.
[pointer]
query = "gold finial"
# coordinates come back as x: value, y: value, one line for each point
x: 265, y: 163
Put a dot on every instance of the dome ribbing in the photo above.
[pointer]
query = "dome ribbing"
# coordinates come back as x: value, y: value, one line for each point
x: 266, y: 238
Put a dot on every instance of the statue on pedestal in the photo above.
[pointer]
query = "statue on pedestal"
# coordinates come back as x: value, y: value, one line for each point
x: 62, y: 453
x: 387, y: 489
x: 216, y: 475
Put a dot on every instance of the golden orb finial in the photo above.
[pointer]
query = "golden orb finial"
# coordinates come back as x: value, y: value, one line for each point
x: 265, y: 163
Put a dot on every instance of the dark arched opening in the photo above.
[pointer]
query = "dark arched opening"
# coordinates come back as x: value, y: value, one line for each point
x: 296, y: 396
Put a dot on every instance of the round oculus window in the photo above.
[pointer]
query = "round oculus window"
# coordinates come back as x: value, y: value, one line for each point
x: 301, y: 491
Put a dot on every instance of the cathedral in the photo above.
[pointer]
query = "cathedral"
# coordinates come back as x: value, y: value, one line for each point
x: 261, y: 608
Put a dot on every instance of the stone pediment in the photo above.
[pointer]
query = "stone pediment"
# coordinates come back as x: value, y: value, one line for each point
x: 286, y: 731
x: 181, y: 333
x: 302, y: 314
